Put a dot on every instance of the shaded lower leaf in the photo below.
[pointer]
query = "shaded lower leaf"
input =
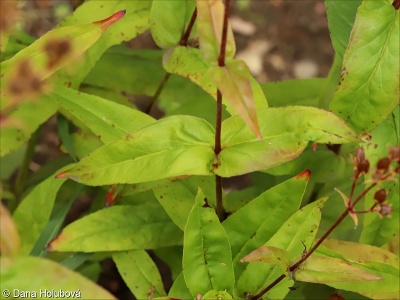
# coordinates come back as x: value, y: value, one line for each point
x: 32, y: 215
x: 207, y: 257
x: 286, y: 132
x: 140, y: 273
x: 179, y: 290
x: 320, y: 269
x: 177, y: 197
x: 172, y: 256
x: 53, y: 277
x: 163, y: 149
x: 120, y: 227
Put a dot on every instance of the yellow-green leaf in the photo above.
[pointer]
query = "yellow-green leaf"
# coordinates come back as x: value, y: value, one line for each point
x: 59, y: 47
x: 210, y: 18
x: 323, y: 269
x: 49, y: 280
x: 233, y: 81
x: 269, y: 255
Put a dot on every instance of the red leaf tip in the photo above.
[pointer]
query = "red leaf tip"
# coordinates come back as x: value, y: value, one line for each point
x: 306, y: 174
x: 107, y: 22
x: 62, y: 175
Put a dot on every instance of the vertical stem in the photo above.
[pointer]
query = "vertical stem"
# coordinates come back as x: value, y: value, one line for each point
x: 218, y: 125
x: 186, y: 35
x: 182, y: 42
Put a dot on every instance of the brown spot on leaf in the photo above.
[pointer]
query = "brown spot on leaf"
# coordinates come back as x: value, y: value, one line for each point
x: 56, y: 51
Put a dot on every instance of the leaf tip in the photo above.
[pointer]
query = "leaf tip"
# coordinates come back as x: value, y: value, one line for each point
x: 107, y: 22
x: 306, y: 174
x: 63, y: 174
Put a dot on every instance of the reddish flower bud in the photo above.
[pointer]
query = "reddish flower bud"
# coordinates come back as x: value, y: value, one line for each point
x: 363, y: 166
x: 380, y: 196
x: 360, y: 163
x: 383, y: 165
x: 360, y: 155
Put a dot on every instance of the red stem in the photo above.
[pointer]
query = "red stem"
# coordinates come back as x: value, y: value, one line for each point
x: 218, y: 125
x: 311, y: 251
x: 186, y: 35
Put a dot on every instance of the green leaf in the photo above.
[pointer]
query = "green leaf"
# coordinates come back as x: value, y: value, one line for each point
x: 388, y: 284
x: 361, y: 253
x: 279, y: 203
x: 207, y: 257
x: 135, y: 22
x: 177, y: 198
x: 233, y: 81
x: 11, y: 162
x: 53, y: 278
x: 369, y: 84
x: 188, y: 62
x: 294, y: 92
x: 168, y: 21
x: 286, y: 132
x: 107, y: 119
x: 172, y: 256
x: 341, y: 15
x: 163, y: 149
x: 210, y: 19
x: 179, y: 289
x: 140, y: 273
x: 20, y: 130
x: 321, y: 269
x: 117, y: 228
x: 32, y: 215
x: 83, y: 143
x: 389, y: 275
x: 300, y: 229
x: 135, y: 71
x: 218, y: 295
x: 377, y: 230
x: 269, y: 255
